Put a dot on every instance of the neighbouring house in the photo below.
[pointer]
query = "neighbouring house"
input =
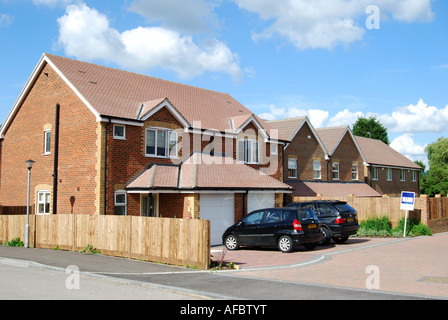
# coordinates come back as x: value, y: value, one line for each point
x: 332, y: 162
x: 111, y: 142
x: 389, y: 172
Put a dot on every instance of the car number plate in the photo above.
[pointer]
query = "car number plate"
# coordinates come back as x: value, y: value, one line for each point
x: 312, y: 226
x: 350, y: 219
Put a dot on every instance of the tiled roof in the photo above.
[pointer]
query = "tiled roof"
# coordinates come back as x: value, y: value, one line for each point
x: 331, y: 137
x: 117, y: 93
x: 332, y: 189
x: 287, y: 128
x: 206, y: 172
x: 377, y: 152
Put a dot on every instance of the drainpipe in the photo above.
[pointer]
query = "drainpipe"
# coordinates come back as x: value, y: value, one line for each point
x: 105, y: 168
x: 56, y: 159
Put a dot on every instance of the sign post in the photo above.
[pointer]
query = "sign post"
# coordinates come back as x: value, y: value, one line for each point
x: 408, y: 204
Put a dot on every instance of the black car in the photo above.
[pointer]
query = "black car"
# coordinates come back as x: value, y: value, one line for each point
x: 339, y: 220
x: 281, y: 227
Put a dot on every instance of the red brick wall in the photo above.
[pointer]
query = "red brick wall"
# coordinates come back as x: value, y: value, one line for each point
x: 346, y: 154
x: 25, y: 140
x: 305, y: 151
x: 394, y: 187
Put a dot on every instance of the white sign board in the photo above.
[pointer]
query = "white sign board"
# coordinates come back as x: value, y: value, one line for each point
x: 408, y: 201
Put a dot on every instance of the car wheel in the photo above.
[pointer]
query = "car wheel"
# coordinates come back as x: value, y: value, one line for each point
x: 231, y: 243
x: 340, y: 240
x: 285, y: 244
x: 326, y: 239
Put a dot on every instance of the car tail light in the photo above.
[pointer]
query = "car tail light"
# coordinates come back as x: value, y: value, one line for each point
x: 340, y: 220
x: 297, y: 226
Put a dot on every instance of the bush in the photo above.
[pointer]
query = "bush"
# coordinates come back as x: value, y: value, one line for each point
x: 14, y: 243
x: 382, y: 227
x: 377, y: 224
x: 413, y: 228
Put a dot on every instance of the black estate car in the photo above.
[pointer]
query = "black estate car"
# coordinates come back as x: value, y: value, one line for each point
x: 339, y: 220
x: 281, y: 227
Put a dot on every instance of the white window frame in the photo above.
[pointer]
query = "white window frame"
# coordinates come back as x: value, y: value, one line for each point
x: 402, y: 175
x: 121, y: 204
x: 293, y: 168
x: 335, y: 171
x: 47, y: 144
x: 45, y: 193
x: 414, y: 176
x: 355, y: 172
x: 317, y: 170
x: 170, y: 153
x: 118, y: 137
x: 375, y: 173
x: 247, y: 156
x: 389, y: 174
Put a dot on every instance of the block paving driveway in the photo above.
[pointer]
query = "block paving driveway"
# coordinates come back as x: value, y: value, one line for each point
x: 414, y: 266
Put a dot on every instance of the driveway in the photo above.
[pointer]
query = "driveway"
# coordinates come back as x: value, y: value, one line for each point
x: 417, y: 266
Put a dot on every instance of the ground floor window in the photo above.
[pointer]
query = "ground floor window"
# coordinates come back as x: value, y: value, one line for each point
x: 43, y: 202
x: 120, y: 203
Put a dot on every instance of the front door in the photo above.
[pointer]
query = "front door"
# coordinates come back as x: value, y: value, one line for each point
x: 148, y: 205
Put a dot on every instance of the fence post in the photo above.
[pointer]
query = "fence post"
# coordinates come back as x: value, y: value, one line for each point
x: 439, y: 197
x: 425, y: 209
x: 385, y: 205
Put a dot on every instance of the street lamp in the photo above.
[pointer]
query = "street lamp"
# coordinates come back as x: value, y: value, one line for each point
x: 29, y: 165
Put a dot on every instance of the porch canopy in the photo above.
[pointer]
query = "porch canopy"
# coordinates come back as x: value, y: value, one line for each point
x: 205, y: 172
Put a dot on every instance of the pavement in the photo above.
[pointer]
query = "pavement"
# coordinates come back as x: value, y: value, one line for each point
x: 373, y: 267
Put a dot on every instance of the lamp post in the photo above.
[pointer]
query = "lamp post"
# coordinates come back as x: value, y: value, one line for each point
x: 29, y: 165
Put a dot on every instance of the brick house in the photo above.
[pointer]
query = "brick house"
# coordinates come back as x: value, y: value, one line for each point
x: 334, y: 163
x: 106, y: 141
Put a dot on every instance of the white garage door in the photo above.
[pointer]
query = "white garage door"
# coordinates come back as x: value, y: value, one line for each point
x: 220, y: 210
x: 257, y: 201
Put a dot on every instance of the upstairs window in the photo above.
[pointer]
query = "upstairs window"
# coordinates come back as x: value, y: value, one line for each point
x: 355, y: 175
x: 389, y: 174
x: 335, y: 171
x: 248, y: 151
x: 161, y: 143
x: 375, y: 173
x: 317, y: 170
x: 402, y: 175
x: 292, y: 168
x: 47, y: 142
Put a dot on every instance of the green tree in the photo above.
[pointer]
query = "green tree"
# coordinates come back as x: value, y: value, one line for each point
x: 437, y: 176
x: 371, y: 128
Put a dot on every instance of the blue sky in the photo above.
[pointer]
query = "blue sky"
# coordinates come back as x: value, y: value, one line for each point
x: 332, y: 60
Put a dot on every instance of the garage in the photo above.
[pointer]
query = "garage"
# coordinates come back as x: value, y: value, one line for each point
x: 220, y: 210
x: 260, y: 200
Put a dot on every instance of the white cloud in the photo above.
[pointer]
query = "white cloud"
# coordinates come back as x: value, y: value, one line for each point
x: 326, y: 24
x: 189, y: 16
x: 86, y: 34
x: 53, y: 3
x: 6, y: 20
x: 419, y: 118
x: 317, y: 117
x: 406, y: 145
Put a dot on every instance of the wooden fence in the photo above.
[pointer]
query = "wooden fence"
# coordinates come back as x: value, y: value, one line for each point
x: 432, y: 212
x: 173, y: 241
